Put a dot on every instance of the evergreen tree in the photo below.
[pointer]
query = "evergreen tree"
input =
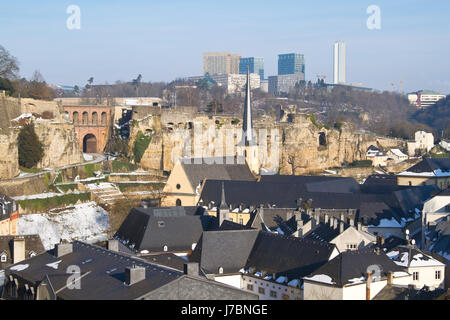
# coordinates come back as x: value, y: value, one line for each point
x: 31, y: 149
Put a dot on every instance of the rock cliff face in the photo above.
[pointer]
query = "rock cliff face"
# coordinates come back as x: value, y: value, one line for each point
x: 303, y: 147
x: 57, y: 135
x: 61, y: 147
x: 9, y: 156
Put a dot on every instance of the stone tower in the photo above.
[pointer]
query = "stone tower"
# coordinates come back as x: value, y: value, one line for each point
x: 248, y: 147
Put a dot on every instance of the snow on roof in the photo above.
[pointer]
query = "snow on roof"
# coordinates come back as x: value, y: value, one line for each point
x: 357, y: 280
x: 418, y: 260
x: 387, y: 223
x: 398, y: 153
x: 400, y: 274
x: 19, y: 267
x: 54, y: 265
x: 321, y: 278
x: 434, y: 173
x: 281, y: 279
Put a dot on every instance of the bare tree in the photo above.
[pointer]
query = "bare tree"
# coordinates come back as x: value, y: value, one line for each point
x: 9, y: 66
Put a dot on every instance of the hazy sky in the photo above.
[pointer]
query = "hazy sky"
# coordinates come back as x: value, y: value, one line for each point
x: 164, y: 40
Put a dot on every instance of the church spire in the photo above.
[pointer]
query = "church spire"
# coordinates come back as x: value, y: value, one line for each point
x: 223, y: 203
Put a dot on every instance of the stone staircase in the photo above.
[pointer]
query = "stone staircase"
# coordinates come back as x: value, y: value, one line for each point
x: 105, y: 192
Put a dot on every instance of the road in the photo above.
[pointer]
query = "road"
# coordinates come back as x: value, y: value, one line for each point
x: 98, y: 157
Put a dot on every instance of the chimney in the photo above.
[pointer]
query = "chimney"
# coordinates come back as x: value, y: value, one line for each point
x: 192, y: 269
x: 359, y: 226
x: 326, y: 218
x: 341, y: 227
x: 368, y: 281
x: 113, y: 245
x: 390, y: 277
x: 134, y: 274
x: 18, y: 249
x: 342, y: 217
x: 351, y: 222
x: 62, y: 249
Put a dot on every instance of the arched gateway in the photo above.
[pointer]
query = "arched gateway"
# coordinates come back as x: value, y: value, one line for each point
x: 90, y: 143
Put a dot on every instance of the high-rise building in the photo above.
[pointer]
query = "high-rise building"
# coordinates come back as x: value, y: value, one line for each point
x: 291, y: 63
x: 339, y: 62
x: 221, y: 63
x: 254, y: 65
x: 284, y: 83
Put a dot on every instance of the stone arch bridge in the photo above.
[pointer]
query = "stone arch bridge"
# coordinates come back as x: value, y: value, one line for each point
x: 92, y: 125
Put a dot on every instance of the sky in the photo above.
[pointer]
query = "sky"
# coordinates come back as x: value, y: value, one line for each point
x: 164, y: 40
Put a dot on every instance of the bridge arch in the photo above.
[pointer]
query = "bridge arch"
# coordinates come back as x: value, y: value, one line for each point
x: 90, y: 143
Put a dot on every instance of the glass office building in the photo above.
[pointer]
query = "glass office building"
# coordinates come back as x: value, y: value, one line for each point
x: 291, y: 63
x: 255, y: 65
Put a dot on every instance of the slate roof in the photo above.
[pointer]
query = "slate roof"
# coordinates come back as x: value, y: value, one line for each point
x: 323, y: 232
x: 169, y: 260
x: 33, y: 243
x: 372, y: 205
x: 430, y: 165
x: 102, y: 272
x: 408, y: 256
x: 316, y: 183
x: 350, y: 267
x: 391, y: 242
x: 440, y: 237
x: 396, y: 292
x: 227, y: 249
x: 175, y: 227
x: 217, y: 168
x: 286, y: 256
x: 381, y: 179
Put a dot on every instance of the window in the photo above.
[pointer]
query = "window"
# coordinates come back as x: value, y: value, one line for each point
x: 249, y: 287
x: 178, y: 186
x: 352, y: 246
x: 415, y: 276
x: 261, y: 290
x: 165, y: 248
x: 32, y: 254
x: 220, y: 270
x: 273, y: 294
x: 437, y: 275
x: 3, y: 257
x: 178, y: 203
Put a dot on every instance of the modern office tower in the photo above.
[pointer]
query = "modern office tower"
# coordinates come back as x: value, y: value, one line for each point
x: 291, y: 63
x: 339, y: 62
x: 221, y: 63
x: 254, y: 65
x: 283, y: 83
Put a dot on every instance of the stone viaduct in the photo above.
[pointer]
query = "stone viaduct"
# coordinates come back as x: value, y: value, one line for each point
x: 92, y: 125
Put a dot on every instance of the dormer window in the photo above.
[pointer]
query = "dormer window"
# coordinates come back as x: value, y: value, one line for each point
x: 161, y: 224
x: 165, y: 248
x: 3, y: 257
x: 32, y: 254
x: 220, y: 270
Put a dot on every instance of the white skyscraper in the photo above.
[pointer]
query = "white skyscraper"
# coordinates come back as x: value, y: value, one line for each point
x: 339, y: 62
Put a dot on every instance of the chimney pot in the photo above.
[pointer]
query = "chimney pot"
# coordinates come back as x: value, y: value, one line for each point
x: 134, y: 274
x: 326, y: 218
x: 390, y: 277
x: 18, y: 249
x: 62, y: 249
x: 341, y: 227
x: 192, y: 269
x: 113, y: 245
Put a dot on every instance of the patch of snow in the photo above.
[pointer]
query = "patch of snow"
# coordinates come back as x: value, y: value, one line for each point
x: 85, y: 222
x: 400, y: 274
x: 258, y: 274
x: 144, y: 251
x: 281, y: 279
x: 357, y: 280
x: 418, y: 261
x: 54, y: 265
x: 19, y: 267
x: 280, y: 231
x: 88, y: 157
x: 321, y: 278
x: 388, y: 223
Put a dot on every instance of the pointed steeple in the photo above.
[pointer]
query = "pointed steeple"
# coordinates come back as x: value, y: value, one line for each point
x: 247, y: 128
x: 223, y: 203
